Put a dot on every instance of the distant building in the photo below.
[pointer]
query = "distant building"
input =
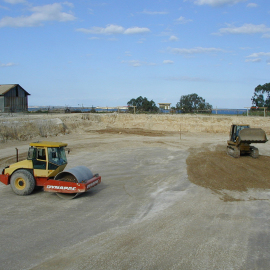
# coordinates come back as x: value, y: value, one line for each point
x: 13, y: 98
x: 165, y: 106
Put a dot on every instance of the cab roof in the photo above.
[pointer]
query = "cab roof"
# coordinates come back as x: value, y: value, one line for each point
x: 240, y: 125
x: 48, y: 144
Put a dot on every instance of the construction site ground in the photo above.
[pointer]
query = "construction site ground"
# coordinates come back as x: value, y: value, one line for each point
x: 167, y: 201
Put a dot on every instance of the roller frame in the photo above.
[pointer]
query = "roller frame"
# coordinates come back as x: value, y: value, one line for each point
x: 59, y: 186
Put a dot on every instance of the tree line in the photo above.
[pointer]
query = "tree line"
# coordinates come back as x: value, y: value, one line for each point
x: 187, y: 104
x: 193, y: 103
x: 261, y: 97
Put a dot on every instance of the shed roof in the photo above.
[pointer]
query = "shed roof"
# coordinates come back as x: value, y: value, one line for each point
x: 4, y: 88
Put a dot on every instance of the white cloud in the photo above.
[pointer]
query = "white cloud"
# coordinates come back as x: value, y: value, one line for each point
x: 215, y: 3
x: 245, y: 48
x: 39, y: 14
x: 197, y: 50
x: 155, y: 12
x: 138, y: 63
x: 8, y: 65
x: 245, y: 29
x: 252, y: 5
x: 71, y: 5
x: 256, y: 57
x: 108, y: 30
x: 183, y: 20
x: 256, y: 60
x: 135, y: 63
x: 90, y: 11
x: 114, y: 29
x: 141, y: 40
x: 2, y: 7
x: 173, y: 38
x: 168, y: 62
x: 136, y: 30
x: 186, y: 78
x: 267, y: 35
x: 260, y: 54
x: 15, y: 1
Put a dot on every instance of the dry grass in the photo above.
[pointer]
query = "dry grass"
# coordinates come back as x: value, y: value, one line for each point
x: 25, y: 130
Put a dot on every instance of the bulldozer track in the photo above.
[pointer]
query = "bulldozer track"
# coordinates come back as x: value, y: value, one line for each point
x: 233, y: 152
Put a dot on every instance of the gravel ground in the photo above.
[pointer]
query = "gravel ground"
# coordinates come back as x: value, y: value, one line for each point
x: 149, y: 212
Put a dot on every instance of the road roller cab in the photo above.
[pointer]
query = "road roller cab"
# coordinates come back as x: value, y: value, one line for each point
x: 44, y: 167
x: 45, y: 159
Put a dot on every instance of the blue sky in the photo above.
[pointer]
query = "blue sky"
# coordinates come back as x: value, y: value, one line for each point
x: 103, y: 53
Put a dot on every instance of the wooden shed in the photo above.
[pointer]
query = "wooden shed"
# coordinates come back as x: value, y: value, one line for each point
x: 13, y: 98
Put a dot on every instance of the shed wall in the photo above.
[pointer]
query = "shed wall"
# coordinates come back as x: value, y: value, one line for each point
x: 2, y: 104
x: 15, y: 100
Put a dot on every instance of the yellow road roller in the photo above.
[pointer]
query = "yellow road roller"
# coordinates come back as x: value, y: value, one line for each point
x: 44, y: 167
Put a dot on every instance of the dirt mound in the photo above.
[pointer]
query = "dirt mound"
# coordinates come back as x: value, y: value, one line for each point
x: 218, y: 171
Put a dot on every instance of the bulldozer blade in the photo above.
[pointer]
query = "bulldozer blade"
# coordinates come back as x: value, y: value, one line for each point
x: 252, y: 135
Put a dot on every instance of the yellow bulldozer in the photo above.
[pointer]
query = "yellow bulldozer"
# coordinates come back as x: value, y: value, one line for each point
x: 44, y: 167
x: 241, y: 136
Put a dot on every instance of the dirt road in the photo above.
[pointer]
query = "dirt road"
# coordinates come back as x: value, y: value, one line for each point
x: 147, y: 213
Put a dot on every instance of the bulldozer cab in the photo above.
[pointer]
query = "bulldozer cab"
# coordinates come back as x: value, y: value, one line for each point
x: 235, y: 129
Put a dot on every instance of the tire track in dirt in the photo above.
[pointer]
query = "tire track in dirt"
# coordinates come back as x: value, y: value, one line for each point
x: 135, y: 131
x: 6, y: 161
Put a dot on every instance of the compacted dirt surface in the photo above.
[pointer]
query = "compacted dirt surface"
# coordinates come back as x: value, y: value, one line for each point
x: 165, y: 202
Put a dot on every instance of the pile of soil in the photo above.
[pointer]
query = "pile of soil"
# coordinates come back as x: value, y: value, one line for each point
x: 218, y: 171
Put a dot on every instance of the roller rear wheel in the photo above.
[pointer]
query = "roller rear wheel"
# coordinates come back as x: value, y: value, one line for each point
x: 22, y: 182
x: 67, y: 196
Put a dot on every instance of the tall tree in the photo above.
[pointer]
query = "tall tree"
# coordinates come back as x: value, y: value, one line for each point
x: 192, y: 103
x: 143, y: 104
x: 261, y: 97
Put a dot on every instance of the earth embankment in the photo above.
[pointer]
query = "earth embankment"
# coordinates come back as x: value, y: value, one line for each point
x: 24, y: 127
